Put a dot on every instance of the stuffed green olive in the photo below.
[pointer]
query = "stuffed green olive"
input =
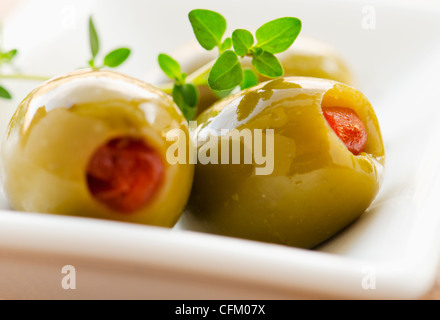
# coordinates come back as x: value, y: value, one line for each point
x: 92, y: 143
x: 327, y: 163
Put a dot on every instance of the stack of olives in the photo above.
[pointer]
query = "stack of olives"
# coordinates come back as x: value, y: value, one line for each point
x: 96, y: 143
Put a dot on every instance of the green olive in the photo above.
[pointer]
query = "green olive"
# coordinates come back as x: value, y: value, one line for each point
x: 309, y: 57
x: 317, y: 186
x: 93, y: 143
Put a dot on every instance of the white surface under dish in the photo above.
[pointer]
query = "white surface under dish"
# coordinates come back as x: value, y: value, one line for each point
x: 391, y: 252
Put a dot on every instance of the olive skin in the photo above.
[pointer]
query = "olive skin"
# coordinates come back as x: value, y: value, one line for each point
x: 57, y: 129
x: 309, y: 57
x: 317, y: 187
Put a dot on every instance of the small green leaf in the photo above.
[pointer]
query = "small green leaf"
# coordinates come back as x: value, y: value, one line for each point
x: 223, y: 94
x: 5, y: 93
x: 92, y: 63
x: 278, y: 35
x: 226, y: 45
x: 116, y: 57
x: 256, y: 51
x: 8, y: 56
x: 226, y: 73
x: 242, y: 40
x: 267, y: 64
x: 94, y: 39
x: 186, y: 97
x: 250, y: 79
x: 209, y: 27
x: 170, y: 67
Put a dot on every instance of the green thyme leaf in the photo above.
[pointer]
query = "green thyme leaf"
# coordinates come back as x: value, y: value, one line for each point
x: 8, y: 56
x: 209, y: 27
x: 94, y: 39
x: 223, y: 94
x: 226, y: 45
x: 226, y: 73
x: 116, y: 57
x: 278, y: 35
x: 5, y: 93
x: 267, y: 64
x: 250, y: 79
x: 256, y: 51
x: 242, y: 40
x: 92, y: 63
x: 187, y: 98
x: 170, y: 67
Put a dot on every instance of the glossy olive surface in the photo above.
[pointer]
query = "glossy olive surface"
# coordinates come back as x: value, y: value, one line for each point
x: 57, y: 129
x: 309, y: 57
x: 317, y: 187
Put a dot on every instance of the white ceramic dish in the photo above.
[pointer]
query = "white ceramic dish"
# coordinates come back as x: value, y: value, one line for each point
x: 391, y: 252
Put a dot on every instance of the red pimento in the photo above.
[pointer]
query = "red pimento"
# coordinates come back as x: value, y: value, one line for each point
x: 348, y: 127
x: 125, y: 174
